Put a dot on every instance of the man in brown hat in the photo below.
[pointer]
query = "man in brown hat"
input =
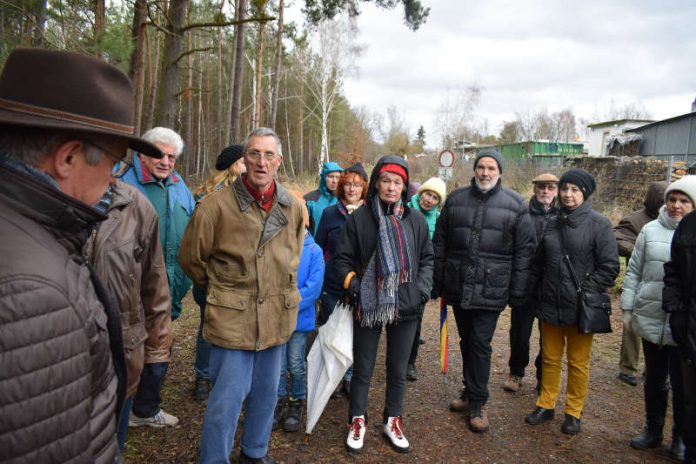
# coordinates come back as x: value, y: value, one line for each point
x: 61, y: 356
x: 542, y: 207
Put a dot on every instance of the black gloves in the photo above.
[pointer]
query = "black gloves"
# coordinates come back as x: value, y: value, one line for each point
x: 353, y: 292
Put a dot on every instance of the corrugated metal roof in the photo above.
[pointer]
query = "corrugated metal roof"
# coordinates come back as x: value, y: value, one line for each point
x: 675, y: 118
x: 619, y: 121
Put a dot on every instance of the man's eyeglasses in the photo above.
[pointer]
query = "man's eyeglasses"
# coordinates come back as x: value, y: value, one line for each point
x: 256, y: 155
x: 547, y: 186
x: 118, y: 159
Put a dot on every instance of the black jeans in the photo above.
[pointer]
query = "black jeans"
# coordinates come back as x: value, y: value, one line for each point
x: 476, y: 328
x: 521, y: 324
x: 689, y: 431
x: 146, y: 402
x: 365, y: 342
x: 416, y: 341
x: 662, y: 363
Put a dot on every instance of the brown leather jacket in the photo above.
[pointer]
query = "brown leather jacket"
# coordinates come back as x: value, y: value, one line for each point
x: 247, y: 259
x: 58, y: 389
x: 626, y: 232
x: 127, y: 255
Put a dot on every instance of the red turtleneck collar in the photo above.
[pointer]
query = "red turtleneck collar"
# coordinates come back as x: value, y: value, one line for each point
x: 264, y: 199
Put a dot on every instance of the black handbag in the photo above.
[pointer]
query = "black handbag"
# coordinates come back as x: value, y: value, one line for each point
x: 594, y: 308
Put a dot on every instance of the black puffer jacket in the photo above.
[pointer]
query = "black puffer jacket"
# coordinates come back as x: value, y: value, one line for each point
x: 484, y: 245
x: 359, y: 242
x: 679, y: 292
x: 540, y: 217
x: 589, y: 241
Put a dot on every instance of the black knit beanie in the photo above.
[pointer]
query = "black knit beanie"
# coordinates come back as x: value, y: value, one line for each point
x: 228, y: 156
x: 358, y: 169
x: 583, y: 179
x: 490, y: 153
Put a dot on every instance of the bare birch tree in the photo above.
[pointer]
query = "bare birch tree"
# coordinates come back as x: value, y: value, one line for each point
x: 335, y: 52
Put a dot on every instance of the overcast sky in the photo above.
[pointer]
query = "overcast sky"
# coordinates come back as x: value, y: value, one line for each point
x: 528, y: 55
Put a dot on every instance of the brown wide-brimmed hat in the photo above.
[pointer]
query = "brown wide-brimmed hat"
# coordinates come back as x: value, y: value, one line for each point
x: 69, y: 91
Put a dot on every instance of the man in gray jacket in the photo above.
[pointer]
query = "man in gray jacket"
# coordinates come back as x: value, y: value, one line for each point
x: 61, y: 355
x: 484, y: 242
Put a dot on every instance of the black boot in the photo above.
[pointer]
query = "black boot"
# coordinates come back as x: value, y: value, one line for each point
x: 677, y: 448
x: 201, y: 390
x: 571, y: 425
x: 649, y: 438
x: 293, y: 420
x: 278, y: 413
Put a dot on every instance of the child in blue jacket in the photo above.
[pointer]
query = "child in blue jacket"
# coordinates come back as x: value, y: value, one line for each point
x: 310, y: 276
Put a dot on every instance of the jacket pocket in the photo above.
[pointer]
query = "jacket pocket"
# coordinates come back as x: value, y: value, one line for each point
x: 409, y: 298
x: 496, y: 281
x: 226, y: 299
x: 292, y: 299
x: 134, y: 336
x: 229, y: 273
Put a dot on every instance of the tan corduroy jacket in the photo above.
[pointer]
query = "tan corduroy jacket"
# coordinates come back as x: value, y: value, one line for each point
x: 247, y: 259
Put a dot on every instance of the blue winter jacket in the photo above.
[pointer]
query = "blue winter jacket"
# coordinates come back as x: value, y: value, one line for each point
x: 310, y: 276
x: 174, y: 205
x: 317, y: 200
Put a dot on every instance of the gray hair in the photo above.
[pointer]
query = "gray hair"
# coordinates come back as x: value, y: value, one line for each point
x: 30, y: 145
x: 166, y: 136
x: 264, y: 132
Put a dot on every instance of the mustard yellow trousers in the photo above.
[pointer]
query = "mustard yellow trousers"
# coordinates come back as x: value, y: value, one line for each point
x: 554, y: 340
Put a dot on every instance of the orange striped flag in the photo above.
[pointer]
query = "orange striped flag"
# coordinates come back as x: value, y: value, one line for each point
x: 444, y: 337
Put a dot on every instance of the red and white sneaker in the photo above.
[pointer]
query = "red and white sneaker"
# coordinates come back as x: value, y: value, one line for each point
x: 394, y: 430
x: 356, y: 434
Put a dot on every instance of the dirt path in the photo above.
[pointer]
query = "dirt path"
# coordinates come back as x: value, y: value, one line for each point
x: 613, y: 413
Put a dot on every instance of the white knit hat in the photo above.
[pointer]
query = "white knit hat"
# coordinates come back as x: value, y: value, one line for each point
x: 686, y: 185
x: 437, y: 185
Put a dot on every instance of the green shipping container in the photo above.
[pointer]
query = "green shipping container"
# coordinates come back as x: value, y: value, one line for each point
x: 521, y: 150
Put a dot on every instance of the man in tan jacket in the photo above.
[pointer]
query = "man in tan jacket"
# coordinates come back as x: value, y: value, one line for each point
x: 243, y: 245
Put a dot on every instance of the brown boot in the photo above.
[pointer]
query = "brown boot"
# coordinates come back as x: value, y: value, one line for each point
x: 460, y: 404
x: 513, y: 383
x: 478, y: 417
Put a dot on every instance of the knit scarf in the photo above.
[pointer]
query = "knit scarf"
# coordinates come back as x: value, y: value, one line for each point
x: 389, y: 267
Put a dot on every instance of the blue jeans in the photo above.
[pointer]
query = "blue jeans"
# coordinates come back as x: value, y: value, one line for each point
x: 146, y: 402
x: 122, y: 431
x: 295, y: 360
x: 239, y: 376
x: 200, y: 364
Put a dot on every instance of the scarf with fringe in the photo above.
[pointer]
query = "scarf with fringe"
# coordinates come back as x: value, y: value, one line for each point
x: 389, y: 266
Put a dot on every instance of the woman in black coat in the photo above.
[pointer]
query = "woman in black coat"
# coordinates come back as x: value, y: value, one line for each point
x: 588, y: 239
x: 385, y: 262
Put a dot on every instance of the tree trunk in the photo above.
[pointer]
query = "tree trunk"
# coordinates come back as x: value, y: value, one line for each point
x: 136, y: 69
x: 287, y: 129
x: 40, y: 27
x: 99, y: 23
x: 220, y: 142
x: 154, y: 78
x: 238, y: 74
x: 259, y: 78
x: 168, y: 88
x: 276, y: 68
